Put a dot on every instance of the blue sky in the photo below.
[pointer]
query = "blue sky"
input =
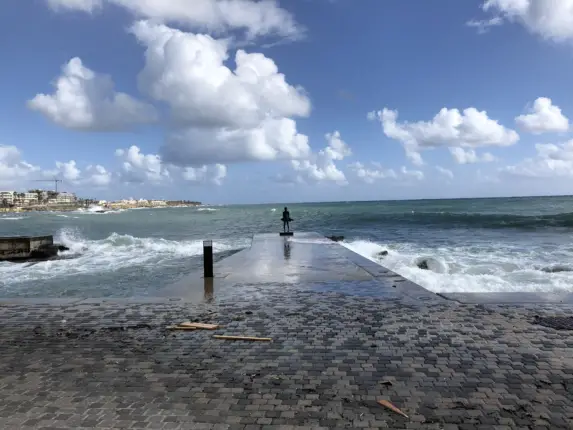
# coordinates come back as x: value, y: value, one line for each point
x: 203, y: 129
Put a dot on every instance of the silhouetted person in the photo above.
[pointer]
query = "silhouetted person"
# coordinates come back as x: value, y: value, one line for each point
x: 286, y: 219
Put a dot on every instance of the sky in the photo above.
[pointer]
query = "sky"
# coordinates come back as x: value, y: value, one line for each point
x: 244, y: 101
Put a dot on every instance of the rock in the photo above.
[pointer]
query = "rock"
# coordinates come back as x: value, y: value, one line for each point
x: 336, y: 238
x: 382, y: 253
x: 423, y: 264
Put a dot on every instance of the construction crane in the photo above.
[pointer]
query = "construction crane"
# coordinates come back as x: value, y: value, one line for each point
x: 55, y: 181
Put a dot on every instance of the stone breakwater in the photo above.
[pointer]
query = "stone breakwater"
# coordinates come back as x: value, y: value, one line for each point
x: 111, y: 364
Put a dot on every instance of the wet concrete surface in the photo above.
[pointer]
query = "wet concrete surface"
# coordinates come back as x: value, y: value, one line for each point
x: 308, y: 260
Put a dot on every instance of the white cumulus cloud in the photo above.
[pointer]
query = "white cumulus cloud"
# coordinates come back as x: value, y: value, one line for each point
x: 221, y: 115
x: 97, y: 176
x: 85, y: 100
x: 321, y: 167
x: 215, y: 174
x: 543, y: 117
x: 376, y: 171
x: 449, y: 128
x: 370, y: 175
x: 12, y: 167
x: 446, y: 172
x: 550, y: 19
x: 413, y: 174
x: 137, y: 167
x: 71, y: 174
x: 273, y: 139
x: 551, y: 161
x: 88, y: 6
x: 188, y: 72
x: 255, y: 18
x: 469, y: 156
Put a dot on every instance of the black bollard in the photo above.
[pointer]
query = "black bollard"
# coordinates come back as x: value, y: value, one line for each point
x: 207, y: 258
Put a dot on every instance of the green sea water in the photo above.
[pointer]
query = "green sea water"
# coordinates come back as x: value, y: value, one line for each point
x: 515, y: 244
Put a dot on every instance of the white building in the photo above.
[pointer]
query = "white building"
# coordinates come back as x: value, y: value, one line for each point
x: 66, y: 198
x: 158, y: 203
x: 27, y: 199
x: 8, y: 196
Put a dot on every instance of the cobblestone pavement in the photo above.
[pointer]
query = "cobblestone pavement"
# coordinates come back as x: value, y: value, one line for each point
x: 94, y: 364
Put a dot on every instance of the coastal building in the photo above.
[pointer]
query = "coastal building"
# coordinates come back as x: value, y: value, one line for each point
x: 26, y: 199
x: 158, y: 203
x: 66, y: 198
x: 7, y: 197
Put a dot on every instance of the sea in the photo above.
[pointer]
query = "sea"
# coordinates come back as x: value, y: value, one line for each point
x: 470, y: 245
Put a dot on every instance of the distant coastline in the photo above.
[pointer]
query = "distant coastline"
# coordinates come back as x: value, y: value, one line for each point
x: 107, y: 206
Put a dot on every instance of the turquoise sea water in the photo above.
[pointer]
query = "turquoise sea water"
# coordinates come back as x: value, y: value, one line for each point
x: 516, y: 244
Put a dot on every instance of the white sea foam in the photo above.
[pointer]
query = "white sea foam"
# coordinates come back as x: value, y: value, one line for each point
x: 110, y: 254
x: 207, y: 209
x: 477, y: 268
x: 97, y: 210
x: 12, y: 218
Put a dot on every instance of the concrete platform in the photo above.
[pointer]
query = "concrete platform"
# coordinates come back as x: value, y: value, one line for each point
x: 307, y: 261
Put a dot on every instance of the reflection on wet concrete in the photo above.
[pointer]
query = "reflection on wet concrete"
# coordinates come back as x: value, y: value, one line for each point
x: 208, y: 290
x: 286, y: 249
x: 307, y: 261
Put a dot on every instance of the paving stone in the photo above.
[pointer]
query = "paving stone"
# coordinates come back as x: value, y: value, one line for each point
x: 451, y: 366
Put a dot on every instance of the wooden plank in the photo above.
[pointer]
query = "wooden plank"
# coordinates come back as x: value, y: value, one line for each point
x: 390, y: 406
x: 255, y: 339
x: 178, y: 327
x: 200, y: 325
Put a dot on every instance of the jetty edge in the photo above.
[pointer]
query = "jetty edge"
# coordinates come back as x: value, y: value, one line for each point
x: 21, y: 249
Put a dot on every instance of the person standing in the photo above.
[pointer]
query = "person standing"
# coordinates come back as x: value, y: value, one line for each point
x: 286, y: 219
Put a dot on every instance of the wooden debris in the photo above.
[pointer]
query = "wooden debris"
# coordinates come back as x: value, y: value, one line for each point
x: 179, y: 327
x: 390, y: 406
x: 254, y: 339
x: 200, y: 325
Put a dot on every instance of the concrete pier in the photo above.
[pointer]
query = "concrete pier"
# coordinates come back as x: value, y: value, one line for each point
x: 345, y: 332
x: 21, y: 247
x: 29, y: 248
x: 306, y: 261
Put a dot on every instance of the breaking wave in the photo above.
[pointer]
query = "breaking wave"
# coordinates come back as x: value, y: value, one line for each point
x: 115, y: 252
x: 497, y: 267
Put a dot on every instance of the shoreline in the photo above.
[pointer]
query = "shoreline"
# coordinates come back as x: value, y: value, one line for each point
x: 63, y: 208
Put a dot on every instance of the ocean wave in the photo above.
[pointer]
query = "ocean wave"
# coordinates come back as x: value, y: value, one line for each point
x: 98, y: 210
x: 466, y: 220
x: 207, y: 209
x: 498, y: 267
x: 12, y: 218
x: 115, y: 252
